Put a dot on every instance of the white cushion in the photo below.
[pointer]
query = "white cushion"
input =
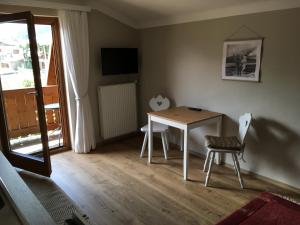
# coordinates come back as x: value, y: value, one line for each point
x: 157, y: 127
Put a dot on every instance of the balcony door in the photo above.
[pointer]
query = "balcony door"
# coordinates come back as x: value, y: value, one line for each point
x: 19, y: 61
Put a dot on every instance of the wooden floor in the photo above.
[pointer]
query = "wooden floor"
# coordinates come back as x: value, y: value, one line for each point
x: 114, y: 186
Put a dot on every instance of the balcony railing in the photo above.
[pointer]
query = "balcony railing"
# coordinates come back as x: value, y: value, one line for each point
x: 20, y: 105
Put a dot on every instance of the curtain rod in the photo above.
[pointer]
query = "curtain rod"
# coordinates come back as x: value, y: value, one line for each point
x: 48, y: 5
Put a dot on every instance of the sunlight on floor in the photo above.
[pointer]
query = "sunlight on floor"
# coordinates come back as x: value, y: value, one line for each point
x: 32, y: 144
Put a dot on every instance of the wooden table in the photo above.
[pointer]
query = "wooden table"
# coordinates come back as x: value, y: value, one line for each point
x: 184, y: 119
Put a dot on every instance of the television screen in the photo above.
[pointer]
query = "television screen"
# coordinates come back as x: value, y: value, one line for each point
x: 119, y: 61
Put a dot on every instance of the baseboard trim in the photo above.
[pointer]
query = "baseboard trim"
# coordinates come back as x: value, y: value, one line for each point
x: 267, y: 179
x: 118, y: 138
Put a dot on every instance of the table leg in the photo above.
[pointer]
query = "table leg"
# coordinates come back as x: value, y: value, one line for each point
x: 181, y: 140
x: 150, y: 139
x: 219, y: 133
x: 185, y: 154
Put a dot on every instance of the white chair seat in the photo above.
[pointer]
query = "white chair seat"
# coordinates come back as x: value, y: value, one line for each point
x: 156, y: 128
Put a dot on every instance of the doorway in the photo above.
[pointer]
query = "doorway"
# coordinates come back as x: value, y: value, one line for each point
x: 32, y: 90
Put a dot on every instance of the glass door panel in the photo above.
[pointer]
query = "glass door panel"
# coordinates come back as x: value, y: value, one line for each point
x: 44, y: 39
x: 23, y: 123
x: 18, y: 89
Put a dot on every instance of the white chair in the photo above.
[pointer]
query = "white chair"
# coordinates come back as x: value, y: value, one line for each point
x: 157, y: 103
x: 232, y: 145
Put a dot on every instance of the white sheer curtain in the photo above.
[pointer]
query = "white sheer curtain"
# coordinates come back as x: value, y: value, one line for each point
x: 75, y: 48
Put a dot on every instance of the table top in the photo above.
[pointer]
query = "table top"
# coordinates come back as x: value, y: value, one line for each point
x: 184, y: 115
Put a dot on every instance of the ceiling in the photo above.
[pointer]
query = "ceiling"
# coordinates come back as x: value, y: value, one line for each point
x: 150, y: 13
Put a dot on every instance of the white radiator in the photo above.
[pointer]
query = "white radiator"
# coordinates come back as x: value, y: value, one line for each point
x: 118, y: 109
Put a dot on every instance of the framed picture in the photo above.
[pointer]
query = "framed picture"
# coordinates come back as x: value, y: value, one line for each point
x: 241, y: 60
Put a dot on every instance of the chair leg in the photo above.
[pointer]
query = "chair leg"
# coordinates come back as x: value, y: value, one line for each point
x: 234, y: 164
x: 144, y: 144
x: 164, y: 145
x: 239, y: 171
x: 166, y: 140
x: 209, y: 169
x: 206, y: 161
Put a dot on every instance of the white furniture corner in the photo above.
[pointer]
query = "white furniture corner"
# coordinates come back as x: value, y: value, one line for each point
x: 21, y: 205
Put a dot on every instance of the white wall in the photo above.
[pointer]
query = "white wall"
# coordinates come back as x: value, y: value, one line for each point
x: 184, y: 62
x: 106, y: 32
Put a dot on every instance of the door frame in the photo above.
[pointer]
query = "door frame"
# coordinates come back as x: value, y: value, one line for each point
x: 60, y: 78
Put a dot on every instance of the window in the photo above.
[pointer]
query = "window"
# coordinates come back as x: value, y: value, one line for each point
x: 15, y: 55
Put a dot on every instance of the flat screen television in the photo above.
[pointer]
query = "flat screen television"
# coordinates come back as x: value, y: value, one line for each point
x: 119, y: 61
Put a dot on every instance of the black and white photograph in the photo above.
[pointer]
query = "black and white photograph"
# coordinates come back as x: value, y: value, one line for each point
x: 241, y: 60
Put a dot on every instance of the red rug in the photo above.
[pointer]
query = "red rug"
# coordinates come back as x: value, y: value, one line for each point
x: 267, y: 209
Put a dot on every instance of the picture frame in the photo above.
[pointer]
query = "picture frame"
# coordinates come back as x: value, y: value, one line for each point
x: 241, y: 60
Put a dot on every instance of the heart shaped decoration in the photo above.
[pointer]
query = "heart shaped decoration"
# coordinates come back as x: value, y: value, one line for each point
x: 159, y: 103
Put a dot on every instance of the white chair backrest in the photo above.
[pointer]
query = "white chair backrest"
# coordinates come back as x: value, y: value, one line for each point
x: 244, y: 123
x: 158, y: 103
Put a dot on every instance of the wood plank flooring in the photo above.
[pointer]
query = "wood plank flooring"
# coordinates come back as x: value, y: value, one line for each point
x: 114, y: 186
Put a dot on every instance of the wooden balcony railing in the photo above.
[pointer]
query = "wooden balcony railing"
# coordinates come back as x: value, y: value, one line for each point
x: 20, y: 105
